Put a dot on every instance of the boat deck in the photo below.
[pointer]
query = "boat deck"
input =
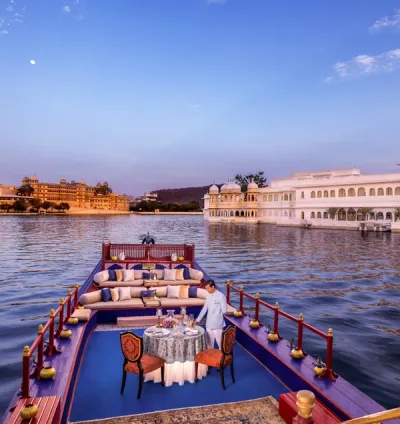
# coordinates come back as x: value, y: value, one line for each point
x: 98, y: 395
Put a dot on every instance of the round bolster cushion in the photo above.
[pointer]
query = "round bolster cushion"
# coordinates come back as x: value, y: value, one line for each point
x: 101, y: 277
x: 195, y: 274
x: 89, y: 298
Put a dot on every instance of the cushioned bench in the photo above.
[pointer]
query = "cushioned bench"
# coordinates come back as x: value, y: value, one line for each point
x: 138, y: 283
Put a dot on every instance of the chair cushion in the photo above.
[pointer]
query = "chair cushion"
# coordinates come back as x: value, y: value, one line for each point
x: 119, y: 274
x: 120, y: 304
x: 179, y: 274
x: 134, y: 283
x: 105, y: 295
x: 82, y: 314
x: 186, y: 273
x: 212, y: 358
x: 166, y: 302
x: 170, y: 274
x: 129, y: 274
x: 149, y: 363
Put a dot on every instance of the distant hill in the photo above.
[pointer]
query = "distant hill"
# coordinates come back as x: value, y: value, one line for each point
x: 182, y: 195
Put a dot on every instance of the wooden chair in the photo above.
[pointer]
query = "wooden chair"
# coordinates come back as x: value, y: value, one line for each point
x: 219, y: 358
x: 137, y: 362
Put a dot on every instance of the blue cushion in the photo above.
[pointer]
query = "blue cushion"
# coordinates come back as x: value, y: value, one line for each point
x: 186, y: 273
x: 138, y: 266
x: 193, y: 291
x: 105, y: 295
x: 159, y: 266
x: 112, y: 276
x: 146, y: 276
x: 147, y: 293
x: 115, y: 266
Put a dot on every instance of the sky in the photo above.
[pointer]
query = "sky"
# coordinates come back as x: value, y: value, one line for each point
x: 151, y: 94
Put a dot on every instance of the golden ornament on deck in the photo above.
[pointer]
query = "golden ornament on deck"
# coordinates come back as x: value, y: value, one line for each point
x: 238, y: 314
x: 29, y: 411
x: 319, y: 370
x: 73, y: 321
x: 297, y: 354
x: 47, y: 372
x: 181, y: 258
x: 273, y: 337
x: 66, y: 334
x: 114, y: 258
x: 254, y: 324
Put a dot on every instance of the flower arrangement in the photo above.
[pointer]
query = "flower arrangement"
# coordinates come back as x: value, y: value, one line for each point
x: 169, y: 322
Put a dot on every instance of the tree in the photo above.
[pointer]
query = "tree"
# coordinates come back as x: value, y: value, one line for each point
x: 46, y: 205
x: 366, y: 212
x: 244, y: 180
x: 332, y: 212
x: 103, y: 189
x: 397, y: 213
x: 64, y: 206
x: 19, y: 206
x: 25, y: 190
x: 35, y: 203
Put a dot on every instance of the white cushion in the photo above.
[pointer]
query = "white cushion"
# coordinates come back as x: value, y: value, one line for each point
x: 114, y: 294
x: 124, y: 293
x: 129, y: 274
x: 173, y: 292
x: 101, y: 276
x: 202, y: 293
x: 170, y: 274
x: 195, y: 274
x: 138, y: 274
x: 161, y: 291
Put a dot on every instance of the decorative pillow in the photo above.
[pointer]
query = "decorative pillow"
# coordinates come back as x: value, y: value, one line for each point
x: 105, y: 295
x: 173, y: 292
x: 115, y: 266
x: 101, y: 277
x: 138, y: 274
x: 184, y: 292
x: 114, y: 294
x: 138, y: 266
x: 179, y: 274
x: 124, y: 293
x: 111, y: 275
x: 159, y: 266
x: 119, y: 274
x: 161, y: 291
x: 159, y: 273
x: 148, y: 294
x: 129, y: 274
x: 195, y: 274
x: 170, y: 274
x: 202, y: 293
x: 193, y: 291
x: 146, y: 276
x: 186, y: 274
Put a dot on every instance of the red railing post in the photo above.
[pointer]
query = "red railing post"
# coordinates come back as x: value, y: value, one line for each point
x: 276, y: 319
x: 228, y: 292
x: 300, y: 334
x: 329, y: 351
x: 25, y: 372
x: 39, y: 364
x: 241, y: 300
x: 257, y: 309
x: 76, y: 296
x: 68, y: 305
x: 51, y: 348
x: 61, y: 319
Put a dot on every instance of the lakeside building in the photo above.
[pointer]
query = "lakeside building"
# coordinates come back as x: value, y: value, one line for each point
x: 304, y: 198
x: 8, y: 194
x: 78, y: 195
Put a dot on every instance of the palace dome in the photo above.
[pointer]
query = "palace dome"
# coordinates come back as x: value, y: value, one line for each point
x: 230, y: 187
x: 252, y: 185
x: 214, y: 189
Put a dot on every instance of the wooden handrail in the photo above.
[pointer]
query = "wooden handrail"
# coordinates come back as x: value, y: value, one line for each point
x: 388, y: 415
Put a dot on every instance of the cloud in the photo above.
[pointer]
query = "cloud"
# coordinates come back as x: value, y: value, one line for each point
x: 11, y: 14
x: 364, y: 65
x: 217, y: 1
x: 194, y: 106
x: 66, y: 9
x: 3, y: 32
x: 388, y: 22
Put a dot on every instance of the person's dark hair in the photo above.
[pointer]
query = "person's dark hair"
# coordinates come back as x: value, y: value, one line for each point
x: 210, y: 283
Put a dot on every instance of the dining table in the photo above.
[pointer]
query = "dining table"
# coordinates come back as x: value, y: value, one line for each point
x: 178, y: 347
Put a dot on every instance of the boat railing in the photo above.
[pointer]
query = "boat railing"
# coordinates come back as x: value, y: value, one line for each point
x: 274, y: 336
x: 147, y: 252
x: 63, y: 314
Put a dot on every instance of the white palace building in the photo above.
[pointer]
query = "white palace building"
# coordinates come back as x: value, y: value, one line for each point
x: 303, y: 199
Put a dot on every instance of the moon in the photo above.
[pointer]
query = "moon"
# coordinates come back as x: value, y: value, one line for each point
x: 32, y: 62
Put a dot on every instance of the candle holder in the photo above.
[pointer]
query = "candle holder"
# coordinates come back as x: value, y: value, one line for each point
x: 159, y: 315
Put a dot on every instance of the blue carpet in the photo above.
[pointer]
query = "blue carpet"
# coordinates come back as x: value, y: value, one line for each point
x: 98, y: 396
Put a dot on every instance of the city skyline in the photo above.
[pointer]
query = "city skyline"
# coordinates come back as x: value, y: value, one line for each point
x: 139, y: 93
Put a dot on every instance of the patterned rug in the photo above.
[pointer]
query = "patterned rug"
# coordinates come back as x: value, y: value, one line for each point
x: 259, y: 411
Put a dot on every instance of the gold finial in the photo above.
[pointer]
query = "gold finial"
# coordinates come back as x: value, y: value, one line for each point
x: 257, y: 295
x: 228, y: 282
x: 305, y: 403
x: 276, y: 305
x: 241, y: 288
x: 62, y: 301
x: 26, y: 350
x: 76, y: 285
x: 51, y: 313
x: 301, y: 317
x: 330, y: 332
x: 40, y: 329
x: 69, y: 291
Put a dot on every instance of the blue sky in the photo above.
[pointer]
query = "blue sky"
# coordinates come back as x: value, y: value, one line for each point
x: 151, y: 94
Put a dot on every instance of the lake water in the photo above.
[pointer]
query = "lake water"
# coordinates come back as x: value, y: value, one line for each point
x: 337, y: 279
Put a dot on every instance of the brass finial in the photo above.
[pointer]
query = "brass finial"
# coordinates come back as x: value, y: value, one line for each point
x: 26, y: 350
x: 40, y: 329
x: 69, y: 291
x: 305, y: 403
x: 301, y: 317
x: 76, y: 285
x: 276, y: 305
x: 62, y: 301
x: 257, y: 295
x: 228, y: 282
x: 330, y: 332
x: 51, y: 313
x: 241, y: 288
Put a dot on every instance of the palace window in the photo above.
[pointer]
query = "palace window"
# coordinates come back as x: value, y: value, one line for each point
x: 275, y: 197
x: 313, y: 195
x: 286, y: 197
x: 326, y: 194
x: 312, y: 216
x: 372, y: 192
x: 361, y: 191
x: 326, y: 215
x: 270, y: 198
x: 397, y: 191
x: 333, y: 194
x: 319, y: 215
x: 342, y: 192
x: 389, y: 191
x: 302, y: 194
x: 351, y: 192
x: 380, y: 192
x: 319, y: 194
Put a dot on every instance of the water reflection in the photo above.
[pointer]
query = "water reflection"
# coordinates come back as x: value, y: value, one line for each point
x: 338, y: 279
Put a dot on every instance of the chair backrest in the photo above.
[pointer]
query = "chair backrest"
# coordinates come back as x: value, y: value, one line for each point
x: 132, y: 346
x: 228, y: 340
